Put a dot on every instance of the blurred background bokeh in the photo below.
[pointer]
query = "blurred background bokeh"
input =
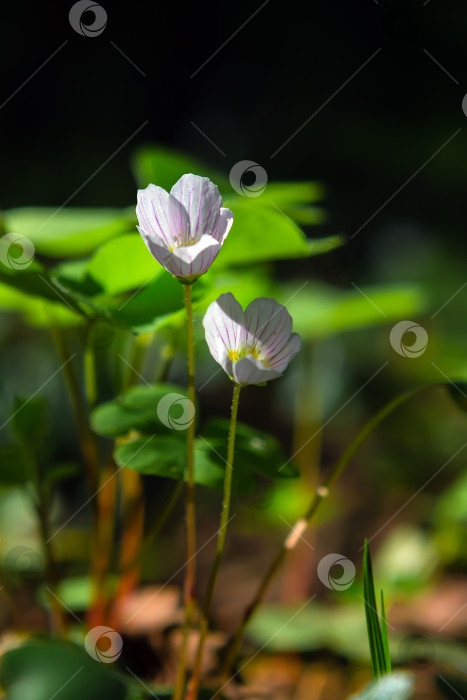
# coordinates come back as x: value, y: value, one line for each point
x: 364, y: 99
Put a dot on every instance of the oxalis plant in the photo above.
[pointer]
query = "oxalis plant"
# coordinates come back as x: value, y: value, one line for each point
x: 152, y: 427
x: 184, y: 231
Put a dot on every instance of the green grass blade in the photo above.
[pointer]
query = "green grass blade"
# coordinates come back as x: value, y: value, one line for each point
x: 375, y: 640
x: 385, y: 636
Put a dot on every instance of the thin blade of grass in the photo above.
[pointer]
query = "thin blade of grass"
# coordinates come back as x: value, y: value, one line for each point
x: 385, y: 636
x: 375, y: 641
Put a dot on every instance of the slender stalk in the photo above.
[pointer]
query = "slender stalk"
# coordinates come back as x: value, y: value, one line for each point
x: 190, y: 569
x: 302, y: 524
x: 220, y: 545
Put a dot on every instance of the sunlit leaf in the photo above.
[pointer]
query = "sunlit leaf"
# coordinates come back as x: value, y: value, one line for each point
x: 262, y: 233
x: 136, y: 409
x: 124, y: 263
x: 68, y: 231
x: 166, y: 456
x: 319, y: 311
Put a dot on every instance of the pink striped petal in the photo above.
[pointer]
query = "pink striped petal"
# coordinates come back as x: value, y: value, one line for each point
x: 224, y: 327
x: 249, y: 370
x: 194, y: 260
x: 279, y: 361
x: 202, y: 201
x: 161, y: 215
x: 268, y: 325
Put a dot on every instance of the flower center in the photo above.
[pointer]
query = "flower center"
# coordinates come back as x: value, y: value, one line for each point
x: 235, y: 355
x: 183, y: 239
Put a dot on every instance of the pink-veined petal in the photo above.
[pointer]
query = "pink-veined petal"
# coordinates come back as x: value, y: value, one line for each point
x: 249, y: 370
x: 268, y: 324
x: 159, y: 214
x: 156, y: 246
x: 224, y: 328
x: 196, y: 259
x: 281, y: 359
x: 223, y: 225
x: 202, y: 200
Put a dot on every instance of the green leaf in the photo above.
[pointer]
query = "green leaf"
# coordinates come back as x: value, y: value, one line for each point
x: 254, y: 450
x: 163, y: 167
x: 40, y: 670
x: 283, y: 195
x: 262, y: 233
x: 166, y: 456
x: 144, y: 311
x: 136, y: 409
x: 66, y: 232
x: 123, y: 263
x: 396, y: 686
x: 319, y: 311
x: 39, y: 313
x: 385, y: 635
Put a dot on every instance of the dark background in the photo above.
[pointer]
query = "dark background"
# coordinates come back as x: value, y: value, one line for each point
x: 249, y: 98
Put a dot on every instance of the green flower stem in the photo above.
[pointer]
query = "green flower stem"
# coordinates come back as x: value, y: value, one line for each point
x: 220, y: 545
x: 302, y: 524
x: 190, y: 569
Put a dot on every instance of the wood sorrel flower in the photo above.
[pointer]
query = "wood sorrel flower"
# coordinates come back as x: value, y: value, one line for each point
x: 252, y: 346
x: 184, y: 230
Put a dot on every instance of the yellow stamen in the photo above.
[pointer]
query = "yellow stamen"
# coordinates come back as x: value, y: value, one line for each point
x: 233, y: 355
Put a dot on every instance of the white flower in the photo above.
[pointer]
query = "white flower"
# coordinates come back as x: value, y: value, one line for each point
x: 184, y: 230
x: 252, y: 346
